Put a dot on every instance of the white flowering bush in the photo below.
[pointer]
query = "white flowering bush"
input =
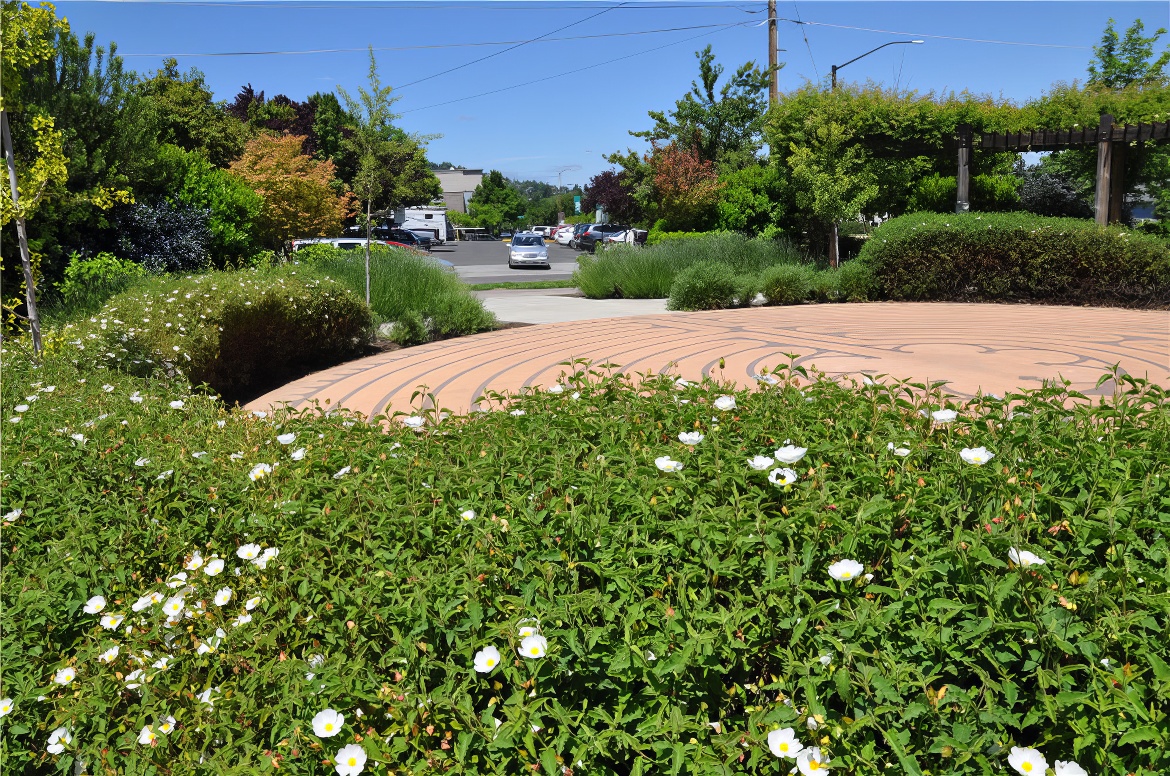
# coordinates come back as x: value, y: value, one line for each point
x: 239, y: 332
x: 593, y: 580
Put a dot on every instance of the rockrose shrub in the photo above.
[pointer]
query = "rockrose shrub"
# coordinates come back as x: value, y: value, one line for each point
x: 708, y: 285
x: 1015, y: 257
x: 239, y: 332
x: 603, y: 576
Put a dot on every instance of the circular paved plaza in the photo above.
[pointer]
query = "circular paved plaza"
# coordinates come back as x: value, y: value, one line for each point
x: 993, y: 348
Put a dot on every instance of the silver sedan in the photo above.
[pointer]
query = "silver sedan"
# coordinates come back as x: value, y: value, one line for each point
x: 528, y: 250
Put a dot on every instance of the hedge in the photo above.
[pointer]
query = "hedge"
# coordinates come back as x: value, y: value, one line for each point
x: 1016, y: 257
x: 239, y: 332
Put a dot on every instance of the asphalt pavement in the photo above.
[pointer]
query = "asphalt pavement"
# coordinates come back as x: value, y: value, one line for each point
x: 487, y: 262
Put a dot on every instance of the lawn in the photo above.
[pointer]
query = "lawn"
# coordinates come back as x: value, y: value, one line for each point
x: 615, y: 574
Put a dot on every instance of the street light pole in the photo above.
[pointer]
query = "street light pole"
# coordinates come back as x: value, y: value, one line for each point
x: 866, y: 54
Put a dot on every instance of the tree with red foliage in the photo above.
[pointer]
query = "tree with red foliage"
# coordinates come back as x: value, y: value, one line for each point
x: 612, y: 192
x: 686, y: 187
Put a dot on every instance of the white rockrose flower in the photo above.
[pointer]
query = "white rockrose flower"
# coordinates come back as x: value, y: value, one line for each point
x: 287, y: 439
x: 790, y: 454
x: 94, y: 605
x: 259, y: 472
x: 783, y: 743
x: 327, y: 723
x: 147, y: 736
x: 248, y: 551
x: 58, y: 740
x: 725, y: 403
x: 1024, y: 558
x: 666, y: 464
x: 222, y: 596
x: 810, y: 762
x: 487, y: 659
x: 112, y: 621
x: 65, y: 675
x: 533, y: 646
x: 760, y: 462
x: 1027, y: 761
x: 350, y: 760
x: 944, y: 416
x: 845, y: 570
x: 976, y: 455
x: 213, y: 567
x: 690, y: 437
x: 782, y: 478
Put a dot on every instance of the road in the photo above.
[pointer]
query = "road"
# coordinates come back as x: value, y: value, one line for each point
x: 487, y: 262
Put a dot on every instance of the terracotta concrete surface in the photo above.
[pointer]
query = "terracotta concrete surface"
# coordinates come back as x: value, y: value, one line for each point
x: 994, y: 348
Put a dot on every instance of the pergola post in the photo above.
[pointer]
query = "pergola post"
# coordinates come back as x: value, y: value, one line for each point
x: 1105, y: 169
x: 963, y: 178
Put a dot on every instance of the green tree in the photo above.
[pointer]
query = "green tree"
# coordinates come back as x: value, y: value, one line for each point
x: 832, y: 182
x: 1120, y: 62
x: 232, y: 207
x: 723, y: 123
x: 494, y: 203
x: 751, y: 200
x: 186, y: 115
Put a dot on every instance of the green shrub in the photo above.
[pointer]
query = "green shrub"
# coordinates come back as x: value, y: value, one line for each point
x: 649, y: 272
x: 668, y: 600
x: 89, y: 282
x: 403, y: 282
x: 989, y: 193
x: 1016, y: 257
x: 787, y: 283
x: 708, y: 285
x: 826, y: 286
x: 240, y: 332
x: 410, y: 329
x: 855, y: 280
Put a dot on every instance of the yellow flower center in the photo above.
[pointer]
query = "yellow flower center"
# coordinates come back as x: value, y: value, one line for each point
x: 535, y: 650
x: 846, y: 574
x: 490, y: 662
x: 783, y: 747
x: 352, y: 761
x: 814, y: 765
x: 1026, y: 767
x: 328, y: 727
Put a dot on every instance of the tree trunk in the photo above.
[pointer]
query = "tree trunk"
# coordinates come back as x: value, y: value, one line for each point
x: 368, y: 204
x: 834, y: 247
x: 30, y: 284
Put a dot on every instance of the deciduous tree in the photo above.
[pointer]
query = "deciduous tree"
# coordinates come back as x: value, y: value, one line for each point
x: 1120, y: 62
x: 686, y: 187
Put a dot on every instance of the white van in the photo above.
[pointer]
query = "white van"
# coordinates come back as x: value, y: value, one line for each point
x: 431, y: 218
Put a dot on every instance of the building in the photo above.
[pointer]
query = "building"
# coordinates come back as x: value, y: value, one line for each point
x: 458, y: 185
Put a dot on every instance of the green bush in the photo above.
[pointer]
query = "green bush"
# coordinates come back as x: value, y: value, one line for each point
x: 649, y: 272
x: 240, y: 332
x: 405, y: 283
x: 826, y: 286
x: 708, y: 285
x: 1016, y: 258
x: 855, y: 280
x: 989, y: 193
x: 686, y: 614
x: 89, y: 282
x: 787, y: 283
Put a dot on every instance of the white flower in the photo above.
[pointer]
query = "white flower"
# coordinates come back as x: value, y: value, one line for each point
x: 487, y: 659
x: 165, y: 474
x: 783, y: 743
x: 65, y: 675
x: 58, y: 740
x: 108, y: 388
x: 267, y: 555
x: 297, y: 454
x: 5, y: 706
x: 144, y: 602
x: 205, y: 697
x: 14, y: 419
x: 1027, y: 761
x: 350, y: 760
x: 287, y: 439
x: 575, y: 395
x: 556, y: 388
x: 147, y: 736
x: 177, y: 404
x: 811, y: 762
x: 78, y: 438
x: 259, y: 472
x: 94, y: 605
x: 213, y: 567
x: 161, y: 664
x: 533, y: 646
x: 1024, y: 558
x: 414, y: 421
x: 844, y: 570
x: 194, y: 562
x: 248, y: 551
x: 134, y: 397
x: 976, y: 455
x: 327, y: 723
x: 782, y: 478
x: 21, y: 408
x: 344, y: 470
x: 1068, y: 768
x: 790, y: 453
x: 725, y: 403
x: 177, y: 580
x: 173, y: 606
x: 664, y: 463
x: 690, y: 437
x: 220, y: 423
x: 252, y: 603
x: 825, y: 659
x: 944, y: 416
x: 467, y: 514
x: 222, y: 596
x: 901, y: 452
x: 518, y: 413
x: 112, y: 621
x: 680, y: 383
x: 243, y: 619
x: 528, y: 630
x: 13, y: 516
x: 760, y: 462
x: 166, y: 726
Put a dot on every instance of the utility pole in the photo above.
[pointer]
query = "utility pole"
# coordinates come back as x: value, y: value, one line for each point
x: 30, y: 285
x: 774, y: 86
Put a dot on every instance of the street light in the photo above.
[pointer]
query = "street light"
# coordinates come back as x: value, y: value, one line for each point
x: 866, y: 54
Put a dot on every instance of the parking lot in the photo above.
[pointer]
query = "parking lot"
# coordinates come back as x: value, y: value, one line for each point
x: 487, y: 262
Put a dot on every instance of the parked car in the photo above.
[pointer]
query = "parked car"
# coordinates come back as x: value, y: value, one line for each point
x: 359, y: 244
x: 528, y: 250
x: 564, y: 234
x: 393, y: 234
x: 506, y: 235
x: 577, y: 231
x: 627, y: 236
x: 426, y: 237
x: 587, y: 241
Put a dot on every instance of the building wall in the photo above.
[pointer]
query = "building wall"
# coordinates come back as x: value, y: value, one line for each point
x: 457, y: 183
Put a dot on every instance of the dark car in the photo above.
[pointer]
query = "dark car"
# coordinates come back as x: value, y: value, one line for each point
x: 578, y: 229
x: 425, y: 237
x: 392, y: 234
x: 589, y: 238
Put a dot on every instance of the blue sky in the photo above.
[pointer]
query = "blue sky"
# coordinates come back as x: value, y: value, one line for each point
x: 595, y: 89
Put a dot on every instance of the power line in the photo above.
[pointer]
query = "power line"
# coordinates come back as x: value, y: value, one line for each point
x: 928, y: 35
x: 806, y: 43
x: 571, y: 72
x: 638, y: 5
x: 505, y: 51
x: 424, y: 47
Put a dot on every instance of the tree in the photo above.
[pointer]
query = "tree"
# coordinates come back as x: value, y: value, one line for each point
x: 1121, y: 62
x: 609, y: 191
x: 723, y: 124
x: 185, y: 114
x: 494, y: 203
x: 831, y: 178
x: 751, y: 200
x: 298, y: 191
x: 686, y: 187
x: 164, y: 237
x: 232, y: 207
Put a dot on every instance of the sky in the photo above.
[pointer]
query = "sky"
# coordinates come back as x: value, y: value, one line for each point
x: 558, y: 106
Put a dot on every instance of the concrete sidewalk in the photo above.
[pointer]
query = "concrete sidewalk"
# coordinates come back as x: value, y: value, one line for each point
x: 560, y: 305
x: 993, y: 348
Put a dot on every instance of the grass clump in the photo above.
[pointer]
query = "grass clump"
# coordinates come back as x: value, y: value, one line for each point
x: 707, y: 285
x: 405, y: 284
x: 1016, y: 257
x: 238, y: 332
x: 666, y: 585
x: 787, y: 284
